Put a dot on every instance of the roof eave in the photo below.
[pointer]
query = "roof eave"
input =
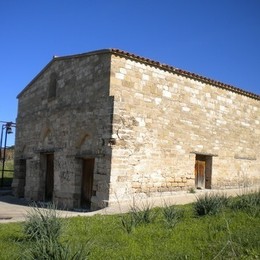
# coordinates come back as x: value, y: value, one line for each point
x: 186, y: 74
x: 35, y: 78
x: 148, y: 62
x: 56, y: 58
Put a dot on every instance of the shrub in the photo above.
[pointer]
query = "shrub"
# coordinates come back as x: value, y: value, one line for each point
x: 43, y: 223
x: 172, y: 215
x: 137, y: 216
x: 52, y: 249
x: 248, y: 202
x: 128, y: 223
x: 44, y: 227
x: 143, y: 215
x: 210, y: 204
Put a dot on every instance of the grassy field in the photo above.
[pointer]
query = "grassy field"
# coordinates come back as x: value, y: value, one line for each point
x: 211, y: 228
x: 8, y: 174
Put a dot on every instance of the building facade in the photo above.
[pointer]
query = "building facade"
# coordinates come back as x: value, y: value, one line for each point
x: 102, y: 127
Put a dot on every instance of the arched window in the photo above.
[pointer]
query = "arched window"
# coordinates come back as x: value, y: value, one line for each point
x: 52, y: 86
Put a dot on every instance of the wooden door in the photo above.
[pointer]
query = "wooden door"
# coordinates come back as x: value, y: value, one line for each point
x: 87, y: 182
x: 200, y: 174
x: 49, y: 179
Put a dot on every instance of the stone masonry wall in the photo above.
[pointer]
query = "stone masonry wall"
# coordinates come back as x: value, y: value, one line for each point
x: 144, y: 126
x: 162, y: 120
x: 73, y: 125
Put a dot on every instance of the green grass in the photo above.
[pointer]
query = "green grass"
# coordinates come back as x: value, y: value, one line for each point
x: 11, y: 240
x: 8, y: 173
x: 226, y: 234
x: 172, y: 215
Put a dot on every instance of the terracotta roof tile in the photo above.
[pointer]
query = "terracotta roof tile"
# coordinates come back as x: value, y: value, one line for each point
x: 186, y: 73
x: 152, y: 63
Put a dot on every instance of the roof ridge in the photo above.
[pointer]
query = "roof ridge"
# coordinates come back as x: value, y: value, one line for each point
x: 151, y: 62
x: 187, y: 73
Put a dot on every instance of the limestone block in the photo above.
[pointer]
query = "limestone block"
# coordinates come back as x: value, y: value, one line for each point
x: 184, y: 180
x: 120, y: 76
x: 123, y: 70
x: 167, y: 94
x: 178, y: 180
x: 136, y: 185
x: 122, y: 178
x: 145, y: 77
x: 185, y: 109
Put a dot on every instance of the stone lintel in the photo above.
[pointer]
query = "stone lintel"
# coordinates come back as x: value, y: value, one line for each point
x: 88, y: 155
x: 202, y: 153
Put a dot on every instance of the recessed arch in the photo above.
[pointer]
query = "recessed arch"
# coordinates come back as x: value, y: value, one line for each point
x: 82, y: 139
x: 45, y: 133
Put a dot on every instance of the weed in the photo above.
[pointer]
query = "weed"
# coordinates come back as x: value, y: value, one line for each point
x: 191, y: 190
x: 209, y: 204
x: 43, y: 223
x: 248, y: 202
x: 142, y: 215
x: 128, y: 223
x: 53, y: 249
x: 44, y: 227
x: 172, y: 215
x: 137, y: 216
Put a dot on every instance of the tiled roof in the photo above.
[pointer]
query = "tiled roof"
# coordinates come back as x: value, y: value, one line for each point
x: 151, y: 63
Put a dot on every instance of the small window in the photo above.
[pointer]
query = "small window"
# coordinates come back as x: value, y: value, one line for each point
x: 52, y: 86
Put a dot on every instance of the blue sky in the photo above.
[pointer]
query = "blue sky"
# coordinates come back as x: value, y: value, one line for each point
x: 219, y: 39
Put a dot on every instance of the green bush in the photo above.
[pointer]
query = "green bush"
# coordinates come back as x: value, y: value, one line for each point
x: 143, y: 215
x: 44, y: 228
x: 210, y: 204
x: 43, y: 223
x: 137, y: 216
x: 172, y: 215
x: 45, y: 249
x: 247, y: 202
x: 128, y: 223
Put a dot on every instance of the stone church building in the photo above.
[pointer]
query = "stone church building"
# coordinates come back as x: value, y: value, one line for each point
x: 103, y: 127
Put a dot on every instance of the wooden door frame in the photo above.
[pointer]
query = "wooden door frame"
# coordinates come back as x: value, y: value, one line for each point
x: 87, y: 175
x: 207, y: 159
x: 46, y: 175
